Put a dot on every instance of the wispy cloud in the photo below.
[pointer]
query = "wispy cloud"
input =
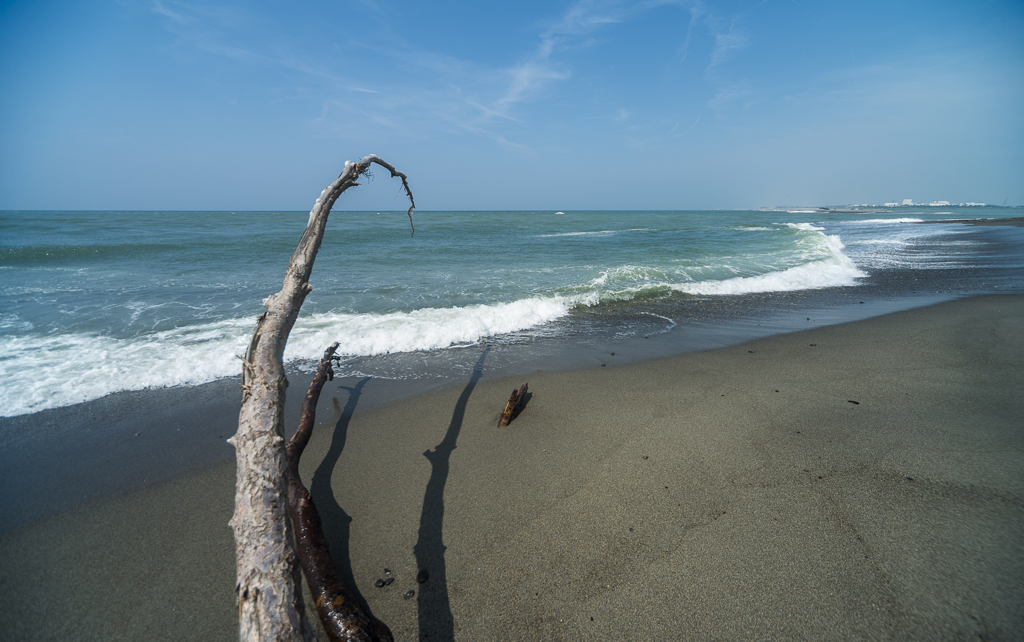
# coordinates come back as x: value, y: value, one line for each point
x: 435, y: 91
x: 726, y: 44
x: 696, y: 10
x: 675, y: 133
x: 584, y: 17
x: 527, y: 78
x: 730, y: 95
x: 167, y: 12
x: 728, y: 40
x: 213, y: 30
x: 489, y: 102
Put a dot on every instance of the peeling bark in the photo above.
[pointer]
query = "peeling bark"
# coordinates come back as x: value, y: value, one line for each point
x: 270, y: 605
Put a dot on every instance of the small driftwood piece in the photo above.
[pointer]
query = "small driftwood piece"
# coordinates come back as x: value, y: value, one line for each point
x: 513, y: 407
x: 342, y: 618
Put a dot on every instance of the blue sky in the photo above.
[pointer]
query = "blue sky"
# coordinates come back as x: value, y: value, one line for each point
x: 159, y: 104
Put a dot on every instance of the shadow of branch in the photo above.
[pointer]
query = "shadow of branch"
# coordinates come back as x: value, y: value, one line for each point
x: 436, y: 621
x: 336, y: 522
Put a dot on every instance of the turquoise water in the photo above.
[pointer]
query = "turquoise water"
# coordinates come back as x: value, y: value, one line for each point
x: 96, y: 302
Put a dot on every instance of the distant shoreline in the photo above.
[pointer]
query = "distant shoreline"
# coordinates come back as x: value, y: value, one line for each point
x: 877, y: 209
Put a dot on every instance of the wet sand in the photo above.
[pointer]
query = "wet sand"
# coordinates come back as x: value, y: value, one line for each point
x: 858, y: 481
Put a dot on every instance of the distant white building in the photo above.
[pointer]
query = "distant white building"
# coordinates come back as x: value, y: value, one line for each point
x: 908, y: 202
x: 939, y: 204
x: 892, y: 204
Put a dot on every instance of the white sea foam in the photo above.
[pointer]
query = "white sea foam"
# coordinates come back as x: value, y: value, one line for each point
x: 826, y: 266
x: 594, y: 233
x: 671, y: 323
x: 600, y: 233
x: 13, y: 322
x: 835, y: 269
x: 57, y: 370
x: 893, y: 241
x: 625, y: 273
x: 424, y: 329
x: 47, y: 372
x: 807, y: 227
x: 888, y: 220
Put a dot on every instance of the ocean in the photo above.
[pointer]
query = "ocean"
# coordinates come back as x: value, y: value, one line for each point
x: 93, y: 303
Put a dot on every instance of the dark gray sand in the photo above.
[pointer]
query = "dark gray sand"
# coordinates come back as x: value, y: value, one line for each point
x: 860, y: 481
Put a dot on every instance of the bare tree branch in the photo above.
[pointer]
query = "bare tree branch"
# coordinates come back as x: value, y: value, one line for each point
x: 267, y: 588
x: 342, y: 618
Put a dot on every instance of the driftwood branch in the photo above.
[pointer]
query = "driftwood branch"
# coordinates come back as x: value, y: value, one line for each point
x: 514, y: 406
x: 342, y: 618
x: 267, y: 588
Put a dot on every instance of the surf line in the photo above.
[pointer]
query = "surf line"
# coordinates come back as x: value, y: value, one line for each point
x: 673, y: 323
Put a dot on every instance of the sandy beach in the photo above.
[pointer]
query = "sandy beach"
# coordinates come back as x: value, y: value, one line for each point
x: 854, y: 482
